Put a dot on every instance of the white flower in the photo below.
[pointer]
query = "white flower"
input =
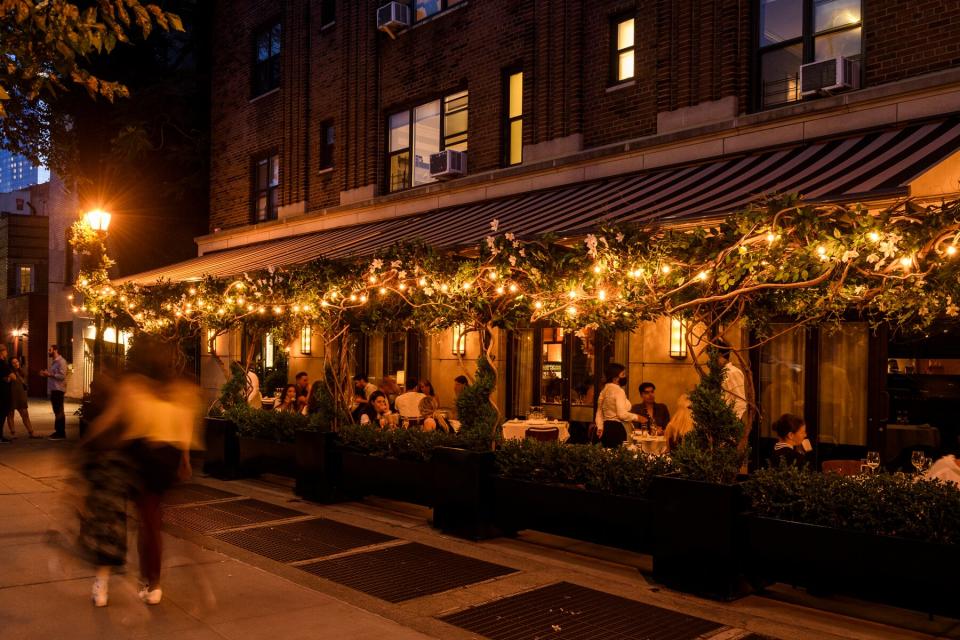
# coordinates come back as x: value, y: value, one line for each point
x: 591, y: 242
x: 492, y: 245
x: 509, y: 236
x: 396, y: 264
x: 401, y: 274
x: 513, y: 261
x: 376, y: 264
x: 494, y: 225
x: 952, y: 309
x: 428, y: 291
x: 523, y: 254
x: 620, y: 237
x: 850, y: 255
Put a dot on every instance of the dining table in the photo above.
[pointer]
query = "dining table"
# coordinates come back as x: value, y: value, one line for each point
x: 517, y: 429
x: 655, y: 445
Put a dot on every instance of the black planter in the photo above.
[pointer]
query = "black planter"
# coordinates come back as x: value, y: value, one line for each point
x: 604, y: 518
x: 258, y: 456
x: 463, y: 492
x: 318, y: 466
x: 222, y: 445
x: 697, y: 535
x: 905, y: 573
x: 407, y: 480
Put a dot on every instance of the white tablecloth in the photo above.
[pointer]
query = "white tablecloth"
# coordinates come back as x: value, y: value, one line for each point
x: 517, y: 429
x: 653, y: 444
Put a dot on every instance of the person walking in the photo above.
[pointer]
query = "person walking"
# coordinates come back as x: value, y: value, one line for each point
x: 6, y: 375
x: 56, y: 377
x: 18, y: 400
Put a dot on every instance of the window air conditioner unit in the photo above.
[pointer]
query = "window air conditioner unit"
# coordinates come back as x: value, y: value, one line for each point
x: 829, y: 76
x: 393, y: 17
x: 448, y: 164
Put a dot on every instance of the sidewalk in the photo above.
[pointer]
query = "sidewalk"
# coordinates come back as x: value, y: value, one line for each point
x: 246, y: 559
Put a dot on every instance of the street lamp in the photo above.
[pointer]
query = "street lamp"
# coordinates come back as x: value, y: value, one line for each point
x: 98, y: 219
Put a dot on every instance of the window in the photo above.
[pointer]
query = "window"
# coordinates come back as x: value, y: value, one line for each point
x: 416, y: 134
x: 306, y: 340
x: 795, y: 32
x: 426, y: 8
x: 328, y: 13
x: 266, y: 59
x: 327, y: 141
x: 65, y: 339
x: 513, y: 119
x: 266, y: 179
x: 623, y: 47
x: 24, y: 278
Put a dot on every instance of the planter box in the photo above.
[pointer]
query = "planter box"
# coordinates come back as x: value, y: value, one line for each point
x: 318, y: 466
x: 258, y: 456
x: 697, y: 536
x: 407, y: 480
x: 905, y: 573
x: 604, y: 518
x: 222, y: 454
x: 463, y: 492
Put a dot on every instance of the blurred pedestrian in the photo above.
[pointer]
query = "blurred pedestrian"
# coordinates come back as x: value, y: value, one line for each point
x: 138, y: 447
x: 18, y: 400
x: 6, y: 375
x: 56, y: 377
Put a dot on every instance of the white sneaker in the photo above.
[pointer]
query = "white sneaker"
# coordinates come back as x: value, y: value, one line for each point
x: 99, y: 593
x: 150, y: 596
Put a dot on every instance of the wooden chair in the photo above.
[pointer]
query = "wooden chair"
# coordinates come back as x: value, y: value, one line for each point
x: 843, y: 467
x: 543, y: 434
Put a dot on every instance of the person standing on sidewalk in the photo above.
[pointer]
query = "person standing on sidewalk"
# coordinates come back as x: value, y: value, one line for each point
x: 6, y: 402
x: 19, y: 403
x: 56, y: 377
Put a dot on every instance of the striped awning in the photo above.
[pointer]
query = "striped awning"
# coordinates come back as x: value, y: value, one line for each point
x: 867, y: 166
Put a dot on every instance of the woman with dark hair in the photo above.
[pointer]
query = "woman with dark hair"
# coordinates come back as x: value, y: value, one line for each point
x: 426, y: 388
x: 791, y: 432
x: 288, y: 401
x: 613, y: 407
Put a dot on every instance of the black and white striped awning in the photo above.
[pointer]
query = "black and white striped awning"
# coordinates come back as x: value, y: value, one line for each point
x: 868, y: 166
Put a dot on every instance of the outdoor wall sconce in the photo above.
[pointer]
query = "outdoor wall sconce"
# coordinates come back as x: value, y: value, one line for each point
x: 401, y: 378
x: 459, y: 333
x: 306, y: 340
x: 678, y: 339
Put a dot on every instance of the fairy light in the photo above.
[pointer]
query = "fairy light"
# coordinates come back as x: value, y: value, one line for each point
x: 382, y: 291
x: 239, y: 285
x: 601, y: 295
x: 444, y: 288
x: 193, y: 291
x: 702, y: 276
x: 305, y: 308
x: 771, y: 237
x: 951, y: 250
x: 372, y: 279
x: 493, y: 275
x: 572, y: 294
x: 422, y: 282
x: 874, y: 236
x: 513, y: 288
x: 240, y: 301
x: 597, y: 268
x: 822, y: 250
x: 277, y: 310
x: 70, y: 297
x: 571, y: 311
x: 353, y: 297
x: 262, y: 310
x: 84, y: 282
x: 324, y: 303
x: 906, y: 262
x: 466, y: 286
x: 249, y: 307
x: 363, y: 298
x: 296, y: 308
x: 500, y: 291
x: 219, y: 311
x: 665, y: 268
x: 538, y: 304
x: 402, y: 287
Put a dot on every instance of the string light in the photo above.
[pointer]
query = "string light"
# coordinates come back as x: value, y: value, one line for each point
x: 382, y: 291
x: 500, y: 291
x: 513, y: 288
x: 373, y: 279
x: 906, y: 262
x: 193, y: 291
x: 444, y: 288
x: 572, y: 294
x: 822, y: 250
x: 771, y: 237
x: 277, y: 310
x: 353, y: 297
x: 538, y: 304
x: 665, y: 268
x: 571, y: 311
x: 951, y: 250
x: 423, y: 282
x: 363, y: 298
x: 402, y: 287
x: 702, y: 275
x: 493, y: 275
x: 466, y: 286
x: 262, y: 310
x: 597, y: 268
x: 601, y: 295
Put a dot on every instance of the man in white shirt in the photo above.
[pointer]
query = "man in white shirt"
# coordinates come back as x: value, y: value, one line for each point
x: 733, y: 387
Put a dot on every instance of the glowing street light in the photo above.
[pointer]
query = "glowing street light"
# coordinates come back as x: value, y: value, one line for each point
x: 98, y: 219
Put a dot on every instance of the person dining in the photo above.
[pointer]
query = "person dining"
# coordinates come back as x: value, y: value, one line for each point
x: 791, y: 433
x: 389, y: 388
x: 408, y: 404
x: 426, y: 388
x: 650, y: 413
x: 680, y: 424
x: 613, y: 407
x: 734, y: 391
x: 381, y: 415
x: 363, y: 387
x: 302, y: 380
x: 288, y: 401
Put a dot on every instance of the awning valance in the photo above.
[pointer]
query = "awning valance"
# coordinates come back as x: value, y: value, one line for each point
x: 863, y: 167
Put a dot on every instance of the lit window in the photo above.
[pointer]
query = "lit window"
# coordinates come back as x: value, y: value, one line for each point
x: 436, y: 125
x: 266, y: 181
x: 306, y: 341
x: 623, y: 49
x: 426, y: 8
x: 513, y: 122
x: 25, y: 278
x: 784, y: 43
x: 266, y: 59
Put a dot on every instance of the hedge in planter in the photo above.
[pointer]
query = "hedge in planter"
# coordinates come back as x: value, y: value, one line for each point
x: 267, y: 439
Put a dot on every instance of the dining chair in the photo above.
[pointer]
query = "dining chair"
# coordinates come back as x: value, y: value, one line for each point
x: 543, y: 434
x: 842, y: 467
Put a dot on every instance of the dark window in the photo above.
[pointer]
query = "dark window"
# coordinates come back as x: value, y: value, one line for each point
x: 622, y: 42
x: 266, y: 59
x: 795, y: 32
x: 513, y: 118
x: 415, y: 134
x: 65, y: 339
x: 327, y: 145
x: 328, y: 12
x: 426, y: 8
x: 266, y: 176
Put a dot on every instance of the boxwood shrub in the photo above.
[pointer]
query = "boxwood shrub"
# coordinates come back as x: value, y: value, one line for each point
x: 407, y: 444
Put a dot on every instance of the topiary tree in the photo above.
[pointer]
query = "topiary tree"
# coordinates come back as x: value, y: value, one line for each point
x: 478, y: 416
x: 712, y: 451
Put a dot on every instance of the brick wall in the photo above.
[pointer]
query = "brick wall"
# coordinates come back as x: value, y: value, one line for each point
x: 687, y: 52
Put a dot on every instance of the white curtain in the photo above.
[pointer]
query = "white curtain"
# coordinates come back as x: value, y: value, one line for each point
x: 782, y: 364
x: 843, y: 384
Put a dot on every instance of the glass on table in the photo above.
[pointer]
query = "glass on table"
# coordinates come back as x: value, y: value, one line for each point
x: 873, y: 460
x: 917, y: 460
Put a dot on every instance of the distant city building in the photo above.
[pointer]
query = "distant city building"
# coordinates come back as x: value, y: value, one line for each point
x: 17, y: 173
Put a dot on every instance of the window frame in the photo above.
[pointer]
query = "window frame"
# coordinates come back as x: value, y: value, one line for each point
x: 328, y: 150
x: 615, y: 50
x: 328, y: 13
x: 256, y: 190
x: 444, y: 6
x: 256, y: 90
x: 409, y: 149
x: 18, y: 289
x: 507, y: 121
x: 807, y: 41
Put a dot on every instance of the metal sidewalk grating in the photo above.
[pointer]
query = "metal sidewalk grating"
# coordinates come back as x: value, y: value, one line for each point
x: 406, y: 571
x: 570, y: 612
x: 206, y: 518
x: 191, y: 493
x: 303, y: 540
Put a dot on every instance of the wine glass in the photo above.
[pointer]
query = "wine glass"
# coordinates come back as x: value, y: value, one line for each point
x: 873, y: 460
x: 917, y: 460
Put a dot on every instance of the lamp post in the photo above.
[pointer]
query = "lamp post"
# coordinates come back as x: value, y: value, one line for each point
x: 98, y: 220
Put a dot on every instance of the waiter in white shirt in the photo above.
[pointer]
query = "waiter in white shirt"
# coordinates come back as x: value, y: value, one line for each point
x: 733, y: 388
x: 613, y: 408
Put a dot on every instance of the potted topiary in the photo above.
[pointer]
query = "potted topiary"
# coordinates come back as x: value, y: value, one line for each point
x: 696, y: 509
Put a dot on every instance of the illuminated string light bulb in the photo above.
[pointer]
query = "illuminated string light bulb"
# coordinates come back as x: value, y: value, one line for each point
x: 219, y: 312
x: 353, y: 297
x: 305, y: 308
x: 296, y: 308
x: 193, y: 291
x: 229, y: 300
x: 906, y: 261
x: 601, y: 295
x: 177, y: 313
x: 363, y: 298
x: 402, y: 287
x: 333, y: 295
x: 372, y: 279
x: 422, y: 282
x: 262, y: 310
x: 951, y: 250
x: 324, y: 303
x: 571, y: 311
x: 665, y: 268
x: 277, y: 310
x: 822, y: 250
x: 382, y: 291
x: 874, y: 236
x: 466, y: 286
x: 70, y: 297
x: 240, y: 301
x: 513, y: 288
x: 538, y: 305
x: 84, y: 282
x: 572, y: 294
x: 249, y: 307
x: 702, y: 275
x: 500, y: 291
x: 597, y: 268
x: 239, y: 285
x: 75, y: 309
x: 493, y: 275
x: 444, y: 288
x: 771, y: 237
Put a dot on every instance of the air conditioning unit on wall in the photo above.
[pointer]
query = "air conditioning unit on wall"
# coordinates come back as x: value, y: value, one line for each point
x: 829, y: 76
x: 448, y: 164
x: 393, y: 17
